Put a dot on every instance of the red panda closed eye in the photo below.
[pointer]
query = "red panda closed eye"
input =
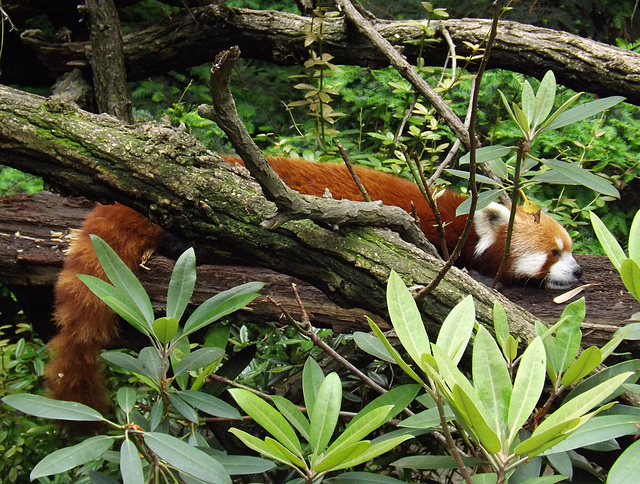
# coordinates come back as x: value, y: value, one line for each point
x: 540, y: 252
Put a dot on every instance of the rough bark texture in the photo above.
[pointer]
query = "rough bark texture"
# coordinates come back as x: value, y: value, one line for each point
x: 172, y: 178
x: 185, y: 40
x: 34, y: 230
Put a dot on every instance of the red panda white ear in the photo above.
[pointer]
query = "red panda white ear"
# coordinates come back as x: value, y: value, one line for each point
x: 487, y: 223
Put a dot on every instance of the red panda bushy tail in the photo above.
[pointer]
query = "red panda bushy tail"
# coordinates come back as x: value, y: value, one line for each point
x: 85, y: 324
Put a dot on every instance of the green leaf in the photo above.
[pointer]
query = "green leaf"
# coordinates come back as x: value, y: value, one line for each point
x: 209, y: 404
x: 183, y: 408
x: 522, y: 121
x: 451, y: 374
x: 374, y: 450
x: 568, y: 335
x: 220, y: 305
x: 630, y: 274
x: 433, y: 462
x: 151, y: 363
x: 55, y: 409
x: 364, y: 478
x: 543, y: 440
x: 130, y: 464
x: 581, y: 404
x: 634, y: 238
x: 588, y: 360
x: 599, y: 429
x: 583, y: 177
x: 312, y: 378
x: 293, y: 414
x: 487, y: 153
x: 118, y: 301
x: 491, y: 380
x: 399, y: 397
x: 528, y: 101
x: 545, y: 99
x: 122, y: 277
x: 610, y: 245
x: 165, y: 329
x: 484, y: 199
x: 456, y: 329
x: 126, y: 398
x: 583, y: 111
x: 603, y: 376
x: 268, y: 418
x: 64, y: 459
x: 476, y: 418
x: 500, y: 324
x: 406, y: 319
x: 332, y: 461
x: 296, y: 460
x: 198, y: 359
x: 237, y: 465
x: 527, y: 386
x: 426, y: 419
x: 183, y: 280
x: 398, y: 359
x: 372, y: 345
x: 125, y: 361
x: 186, y: 458
x: 625, y: 468
x: 479, y: 178
x: 324, y: 416
x: 260, y: 446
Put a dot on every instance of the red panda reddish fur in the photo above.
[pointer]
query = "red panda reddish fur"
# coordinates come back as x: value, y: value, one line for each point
x: 86, y: 325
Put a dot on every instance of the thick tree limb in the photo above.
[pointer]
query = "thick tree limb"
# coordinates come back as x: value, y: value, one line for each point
x: 183, y: 187
x: 181, y: 41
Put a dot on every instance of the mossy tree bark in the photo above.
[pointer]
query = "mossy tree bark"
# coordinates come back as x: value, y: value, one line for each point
x: 178, y: 183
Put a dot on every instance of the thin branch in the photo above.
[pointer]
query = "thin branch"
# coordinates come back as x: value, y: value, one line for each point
x: 354, y: 175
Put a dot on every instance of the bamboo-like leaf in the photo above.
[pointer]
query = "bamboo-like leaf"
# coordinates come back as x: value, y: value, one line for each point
x: 187, y: 458
x: 331, y: 461
x: 359, y: 477
x: 324, y: 417
x: 588, y: 360
x: 451, y: 374
x: 64, y: 459
x: 183, y: 408
x: 130, y: 464
x: 183, y: 280
x: 372, y: 345
x: 151, y: 363
x: 198, y: 359
x: 545, y: 98
x: 373, y: 451
x: 630, y: 274
x: 426, y: 419
x: 508, y: 106
x: 609, y: 243
x: 238, y: 465
x: 122, y: 277
x: 476, y: 418
x: 209, y: 404
x: 433, y: 462
x: 583, y: 111
x: 406, y: 319
x: 544, y: 440
x: 456, y: 329
x: 268, y: 418
x: 399, y: 397
x: 583, y: 177
x: 522, y: 121
x: 527, y: 386
x: 568, y: 335
x: 479, y: 178
x: 295, y: 459
x: 55, y: 409
x: 484, y: 199
x: 491, y: 380
x: 500, y: 323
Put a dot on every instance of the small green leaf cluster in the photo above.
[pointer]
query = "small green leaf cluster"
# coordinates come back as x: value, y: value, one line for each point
x: 176, y: 397
x: 307, y: 443
x: 497, y: 408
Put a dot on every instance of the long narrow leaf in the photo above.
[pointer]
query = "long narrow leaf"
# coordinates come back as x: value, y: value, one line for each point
x: 324, y: 416
x: 209, y: 404
x: 55, y: 409
x: 630, y: 274
x: 64, y: 459
x: 293, y: 414
x: 607, y: 240
x: 187, y: 458
x: 584, y: 111
x: 406, y: 318
x: 130, y: 464
x: 122, y: 277
x: 198, y: 359
x: 183, y: 280
x: 583, y: 177
x: 476, y: 418
x: 209, y: 311
x: 456, y: 329
x: 545, y: 97
x: 634, y: 238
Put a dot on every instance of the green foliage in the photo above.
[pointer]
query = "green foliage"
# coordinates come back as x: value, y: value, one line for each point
x: 496, y: 407
x: 321, y: 453
x: 166, y: 433
x: 14, y: 181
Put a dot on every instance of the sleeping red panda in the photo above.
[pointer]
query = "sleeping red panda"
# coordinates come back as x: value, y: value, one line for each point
x: 540, y: 252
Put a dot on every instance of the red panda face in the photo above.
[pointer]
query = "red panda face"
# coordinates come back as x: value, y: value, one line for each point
x: 540, y: 251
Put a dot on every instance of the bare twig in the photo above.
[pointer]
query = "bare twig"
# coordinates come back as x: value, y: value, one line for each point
x: 354, y: 175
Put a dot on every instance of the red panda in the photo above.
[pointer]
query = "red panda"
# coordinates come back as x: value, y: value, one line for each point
x: 540, y: 252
